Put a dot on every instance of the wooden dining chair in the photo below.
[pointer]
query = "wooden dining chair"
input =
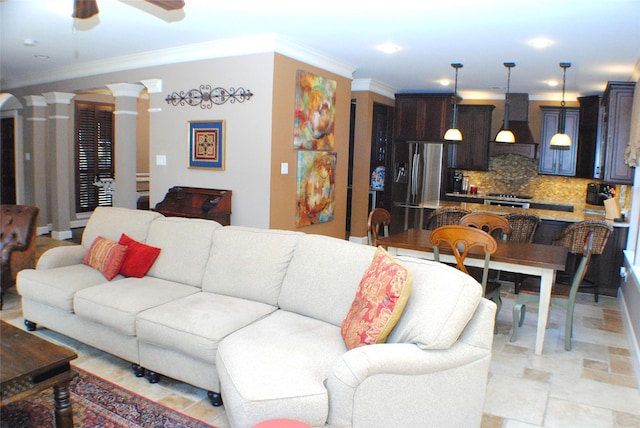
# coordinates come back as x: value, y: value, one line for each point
x: 378, y: 224
x: 444, y: 216
x: 561, y: 295
x: 495, y: 225
x: 460, y: 240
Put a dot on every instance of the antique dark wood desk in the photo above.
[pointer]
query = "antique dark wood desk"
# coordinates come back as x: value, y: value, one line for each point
x: 520, y: 257
x: 197, y: 202
x: 31, y: 364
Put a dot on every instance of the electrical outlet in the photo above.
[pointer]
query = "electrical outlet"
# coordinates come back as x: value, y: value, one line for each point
x: 284, y: 168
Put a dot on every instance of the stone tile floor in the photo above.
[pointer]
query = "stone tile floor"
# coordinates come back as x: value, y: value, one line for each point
x: 593, y: 385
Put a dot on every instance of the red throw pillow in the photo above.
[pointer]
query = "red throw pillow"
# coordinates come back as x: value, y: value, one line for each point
x: 139, y: 258
x: 380, y: 300
x: 106, y: 256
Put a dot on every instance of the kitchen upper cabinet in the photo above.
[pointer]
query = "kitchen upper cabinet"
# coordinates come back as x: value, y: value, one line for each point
x: 589, y: 137
x: 422, y: 117
x: 617, y: 102
x: 558, y: 160
x: 474, y: 121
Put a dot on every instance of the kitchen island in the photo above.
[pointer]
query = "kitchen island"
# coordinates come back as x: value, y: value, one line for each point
x: 405, y: 216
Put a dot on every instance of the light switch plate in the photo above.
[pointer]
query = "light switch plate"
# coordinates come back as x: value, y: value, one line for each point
x: 161, y: 160
x: 284, y: 168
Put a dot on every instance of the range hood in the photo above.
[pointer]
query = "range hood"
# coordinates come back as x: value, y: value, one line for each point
x: 525, y: 145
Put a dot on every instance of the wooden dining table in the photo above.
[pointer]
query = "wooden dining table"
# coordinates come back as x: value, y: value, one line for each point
x: 519, y: 257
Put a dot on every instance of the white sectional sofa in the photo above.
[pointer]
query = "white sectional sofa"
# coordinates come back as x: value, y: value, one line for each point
x: 256, y: 316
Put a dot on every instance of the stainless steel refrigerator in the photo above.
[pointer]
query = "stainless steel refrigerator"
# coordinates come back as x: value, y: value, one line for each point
x: 417, y: 179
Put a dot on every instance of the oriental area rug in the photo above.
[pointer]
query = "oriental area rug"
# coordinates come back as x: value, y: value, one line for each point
x: 96, y: 403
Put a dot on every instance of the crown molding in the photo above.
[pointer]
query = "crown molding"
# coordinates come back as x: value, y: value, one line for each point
x: 264, y: 43
x: 373, y: 86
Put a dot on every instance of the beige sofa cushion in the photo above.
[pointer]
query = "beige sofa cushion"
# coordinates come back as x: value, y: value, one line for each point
x: 196, y: 324
x: 276, y: 368
x: 185, y: 243
x: 111, y: 222
x: 249, y: 263
x: 442, y: 302
x: 116, y: 304
x: 56, y: 287
x: 323, y: 276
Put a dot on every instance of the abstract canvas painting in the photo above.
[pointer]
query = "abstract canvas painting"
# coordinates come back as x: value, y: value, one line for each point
x: 315, y: 112
x: 315, y: 195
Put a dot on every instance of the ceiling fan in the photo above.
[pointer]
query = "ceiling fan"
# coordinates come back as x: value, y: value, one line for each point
x: 84, y: 9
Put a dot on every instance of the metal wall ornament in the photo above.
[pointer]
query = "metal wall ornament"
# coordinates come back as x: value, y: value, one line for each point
x: 207, y: 96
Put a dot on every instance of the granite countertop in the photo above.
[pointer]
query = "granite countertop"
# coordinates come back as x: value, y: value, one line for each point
x: 571, y: 217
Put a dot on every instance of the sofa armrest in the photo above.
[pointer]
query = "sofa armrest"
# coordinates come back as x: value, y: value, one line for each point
x: 400, y: 384
x: 61, y: 256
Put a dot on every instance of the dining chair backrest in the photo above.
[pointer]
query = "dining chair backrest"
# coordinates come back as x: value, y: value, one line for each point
x: 460, y: 240
x: 523, y: 226
x: 494, y: 224
x: 445, y: 216
x: 378, y: 224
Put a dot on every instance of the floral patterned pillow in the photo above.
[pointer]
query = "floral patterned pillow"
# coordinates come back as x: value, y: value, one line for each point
x: 380, y: 299
x: 106, y: 256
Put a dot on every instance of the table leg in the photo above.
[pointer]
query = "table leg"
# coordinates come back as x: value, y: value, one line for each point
x: 546, y: 283
x: 62, y: 405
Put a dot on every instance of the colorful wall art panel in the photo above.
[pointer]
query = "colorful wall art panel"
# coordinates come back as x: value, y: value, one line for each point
x: 315, y: 195
x: 315, y: 112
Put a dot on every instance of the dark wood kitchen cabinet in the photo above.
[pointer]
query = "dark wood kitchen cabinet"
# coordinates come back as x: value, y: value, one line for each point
x: 558, y: 160
x: 617, y: 102
x: 422, y: 117
x: 474, y: 121
x: 589, y: 136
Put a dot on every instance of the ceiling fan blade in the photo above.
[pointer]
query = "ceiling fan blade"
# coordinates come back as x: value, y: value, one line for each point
x: 84, y: 9
x: 167, y: 4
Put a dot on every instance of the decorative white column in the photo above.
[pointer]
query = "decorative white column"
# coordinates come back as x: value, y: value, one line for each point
x: 125, y: 124
x: 35, y: 158
x: 59, y: 171
x: 154, y: 89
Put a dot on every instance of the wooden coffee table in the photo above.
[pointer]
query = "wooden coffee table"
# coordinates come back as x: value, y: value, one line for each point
x: 30, y: 364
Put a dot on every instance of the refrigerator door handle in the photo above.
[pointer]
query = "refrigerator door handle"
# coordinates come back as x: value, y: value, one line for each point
x: 415, y: 167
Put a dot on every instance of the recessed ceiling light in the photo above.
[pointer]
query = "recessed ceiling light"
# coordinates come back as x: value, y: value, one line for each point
x: 540, y: 43
x: 445, y: 82
x: 552, y: 83
x: 388, y: 48
x: 29, y: 42
x: 41, y: 56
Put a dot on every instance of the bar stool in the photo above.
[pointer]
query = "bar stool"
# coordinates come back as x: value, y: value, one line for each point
x: 445, y: 216
x: 523, y: 227
x: 574, y: 236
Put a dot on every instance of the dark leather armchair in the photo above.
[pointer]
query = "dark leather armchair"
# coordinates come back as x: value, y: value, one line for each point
x: 17, y: 242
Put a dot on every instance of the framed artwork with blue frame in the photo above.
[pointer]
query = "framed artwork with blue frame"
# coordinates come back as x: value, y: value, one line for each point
x: 206, y: 144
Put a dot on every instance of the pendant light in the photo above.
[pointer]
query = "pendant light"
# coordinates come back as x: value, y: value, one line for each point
x: 453, y: 133
x: 505, y: 135
x: 560, y: 139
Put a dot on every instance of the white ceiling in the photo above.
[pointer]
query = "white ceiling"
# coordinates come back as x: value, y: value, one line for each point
x: 601, y: 38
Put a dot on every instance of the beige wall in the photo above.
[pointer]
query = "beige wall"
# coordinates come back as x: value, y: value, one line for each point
x: 283, y: 188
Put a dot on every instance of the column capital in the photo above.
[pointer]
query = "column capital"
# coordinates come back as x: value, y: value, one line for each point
x: 125, y: 89
x: 58, y: 97
x: 153, y: 86
x: 35, y: 100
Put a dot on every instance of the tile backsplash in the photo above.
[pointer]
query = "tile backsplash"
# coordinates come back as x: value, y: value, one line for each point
x: 514, y: 174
